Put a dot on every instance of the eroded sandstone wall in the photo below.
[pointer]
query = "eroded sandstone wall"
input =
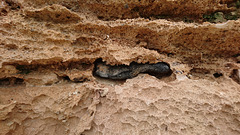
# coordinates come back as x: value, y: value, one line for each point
x: 48, y: 50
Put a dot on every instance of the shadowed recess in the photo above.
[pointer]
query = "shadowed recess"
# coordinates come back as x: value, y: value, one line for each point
x: 120, y: 72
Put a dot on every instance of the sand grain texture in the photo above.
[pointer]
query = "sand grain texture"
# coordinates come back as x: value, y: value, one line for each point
x: 47, y: 55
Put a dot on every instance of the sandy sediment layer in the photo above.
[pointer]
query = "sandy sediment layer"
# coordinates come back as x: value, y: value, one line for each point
x: 47, y: 55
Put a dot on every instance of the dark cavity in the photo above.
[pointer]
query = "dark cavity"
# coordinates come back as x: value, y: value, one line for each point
x: 121, y: 72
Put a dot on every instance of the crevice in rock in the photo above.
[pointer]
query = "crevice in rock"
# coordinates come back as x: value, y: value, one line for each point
x: 48, y: 73
x: 217, y: 75
x: 235, y: 75
x: 11, y: 81
x: 122, y: 72
x: 219, y: 17
x: 25, y: 68
x: 197, y: 73
x: 171, y: 11
x: 13, y: 4
x: 66, y: 78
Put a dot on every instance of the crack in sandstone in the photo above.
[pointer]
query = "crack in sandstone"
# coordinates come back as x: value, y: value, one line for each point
x: 119, y: 72
x: 55, y: 72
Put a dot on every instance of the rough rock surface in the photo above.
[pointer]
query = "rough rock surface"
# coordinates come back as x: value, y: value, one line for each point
x: 47, y: 54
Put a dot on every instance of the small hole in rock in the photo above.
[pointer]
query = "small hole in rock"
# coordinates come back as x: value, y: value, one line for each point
x: 170, y: 54
x: 66, y: 78
x: 100, y: 17
x: 216, y: 75
x: 4, y: 11
x: 166, y: 129
x: 79, y: 80
x: 236, y: 55
x: 11, y: 46
x: 57, y: 15
x: 11, y: 81
x: 92, y: 113
x: 23, y: 69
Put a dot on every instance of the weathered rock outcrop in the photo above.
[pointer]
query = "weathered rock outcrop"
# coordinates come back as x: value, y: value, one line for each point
x: 47, y: 54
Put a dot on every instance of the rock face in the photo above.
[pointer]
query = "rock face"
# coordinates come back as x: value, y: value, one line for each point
x: 48, y: 49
